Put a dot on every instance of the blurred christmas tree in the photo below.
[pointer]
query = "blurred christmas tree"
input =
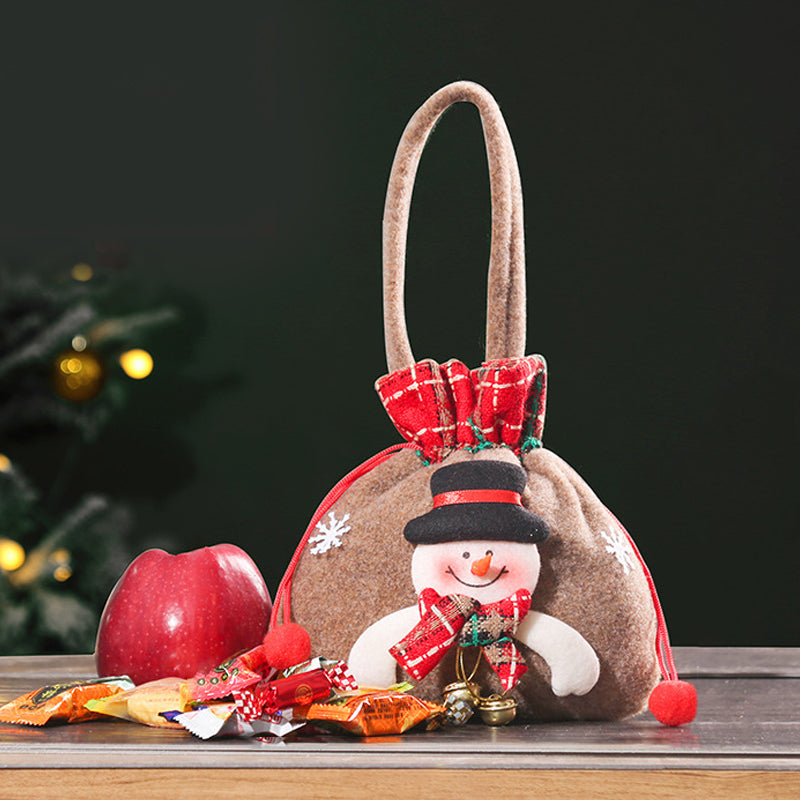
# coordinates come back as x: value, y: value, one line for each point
x: 69, y: 350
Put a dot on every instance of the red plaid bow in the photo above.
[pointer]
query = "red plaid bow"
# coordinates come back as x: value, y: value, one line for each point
x: 458, y: 619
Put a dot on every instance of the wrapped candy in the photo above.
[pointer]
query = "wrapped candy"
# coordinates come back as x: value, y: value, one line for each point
x: 338, y: 672
x: 297, y: 690
x: 144, y: 703
x: 270, y: 696
x: 231, y: 675
x: 223, y: 719
x: 62, y: 702
x: 374, y: 713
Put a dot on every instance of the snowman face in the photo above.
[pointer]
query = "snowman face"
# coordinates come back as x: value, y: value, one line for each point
x: 484, y: 570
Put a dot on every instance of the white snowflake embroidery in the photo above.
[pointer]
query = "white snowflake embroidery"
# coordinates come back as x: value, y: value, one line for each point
x: 618, y: 545
x: 330, y: 533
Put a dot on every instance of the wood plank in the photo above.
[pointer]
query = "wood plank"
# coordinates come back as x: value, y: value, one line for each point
x: 692, y: 662
x: 346, y: 784
x: 740, y: 662
x: 741, y: 720
x: 745, y: 723
x: 62, y: 667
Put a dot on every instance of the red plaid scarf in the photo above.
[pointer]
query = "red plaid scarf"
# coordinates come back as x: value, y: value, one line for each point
x: 458, y: 619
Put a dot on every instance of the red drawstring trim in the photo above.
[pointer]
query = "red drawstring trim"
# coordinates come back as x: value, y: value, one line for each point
x: 663, y: 649
x: 284, y: 593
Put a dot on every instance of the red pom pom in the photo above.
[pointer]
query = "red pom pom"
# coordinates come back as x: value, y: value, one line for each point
x: 674, y: 702
x: 287, y: 645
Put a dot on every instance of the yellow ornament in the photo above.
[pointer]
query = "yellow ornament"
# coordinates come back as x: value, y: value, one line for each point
x: 5, y: 463
x: 137, y: 363
x: 78, y: 375
x: 12, y: 555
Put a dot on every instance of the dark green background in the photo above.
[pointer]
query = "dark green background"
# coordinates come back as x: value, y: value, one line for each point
x: 241, y: 156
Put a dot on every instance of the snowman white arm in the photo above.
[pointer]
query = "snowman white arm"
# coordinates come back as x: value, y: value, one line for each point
x: 370, y: 660
x: 574, y: 668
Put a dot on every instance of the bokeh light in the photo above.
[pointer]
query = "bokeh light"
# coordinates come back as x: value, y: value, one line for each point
x: 12, y: 555
x: 137, y: 363
x: 82, y: 272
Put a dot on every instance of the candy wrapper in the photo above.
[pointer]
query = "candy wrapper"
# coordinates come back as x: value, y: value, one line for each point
x: 144, y: 703
x: 270, y: 696
x: 303, y: 666
x: 233, y: 674
x: 338, y: 672
x: 62, y: 702
x: 297, y: 690
x: 457, y: 710
x: 373, y: 713
x: 222, y: 719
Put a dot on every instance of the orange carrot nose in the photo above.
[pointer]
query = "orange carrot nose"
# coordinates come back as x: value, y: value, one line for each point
x: 481, y: 566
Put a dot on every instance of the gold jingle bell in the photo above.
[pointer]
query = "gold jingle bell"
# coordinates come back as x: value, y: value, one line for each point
x: 467, y: 691
x: 496, y: 710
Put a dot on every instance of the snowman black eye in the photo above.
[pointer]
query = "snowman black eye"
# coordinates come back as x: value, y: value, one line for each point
x: 465, y: 555
x: 489, y: 553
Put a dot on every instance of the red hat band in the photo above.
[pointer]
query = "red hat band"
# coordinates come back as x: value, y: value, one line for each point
x: 477, y: 496
x: 477, y: 500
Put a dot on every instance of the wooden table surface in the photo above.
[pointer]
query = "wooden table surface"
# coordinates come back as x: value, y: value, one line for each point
x: 745, y: 742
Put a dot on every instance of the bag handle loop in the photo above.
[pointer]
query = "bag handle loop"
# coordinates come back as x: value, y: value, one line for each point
x: 505, y: 317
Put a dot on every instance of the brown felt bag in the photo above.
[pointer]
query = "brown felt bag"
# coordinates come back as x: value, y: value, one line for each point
x: 473, y: 471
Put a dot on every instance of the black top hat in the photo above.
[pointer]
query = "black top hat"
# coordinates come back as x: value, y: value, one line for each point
x: 477, y: 500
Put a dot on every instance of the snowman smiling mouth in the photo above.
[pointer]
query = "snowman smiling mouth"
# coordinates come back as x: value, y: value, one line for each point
x: 499, y: 575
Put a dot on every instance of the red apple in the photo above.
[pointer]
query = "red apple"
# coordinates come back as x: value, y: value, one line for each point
x: 183, y: 614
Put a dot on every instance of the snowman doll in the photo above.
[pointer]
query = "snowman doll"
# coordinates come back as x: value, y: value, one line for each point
x: 475, y: 566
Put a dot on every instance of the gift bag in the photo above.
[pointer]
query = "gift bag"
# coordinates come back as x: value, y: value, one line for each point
x: 470, y: 551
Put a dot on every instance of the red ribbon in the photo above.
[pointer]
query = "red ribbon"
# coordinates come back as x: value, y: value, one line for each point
x: 477, y: 496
